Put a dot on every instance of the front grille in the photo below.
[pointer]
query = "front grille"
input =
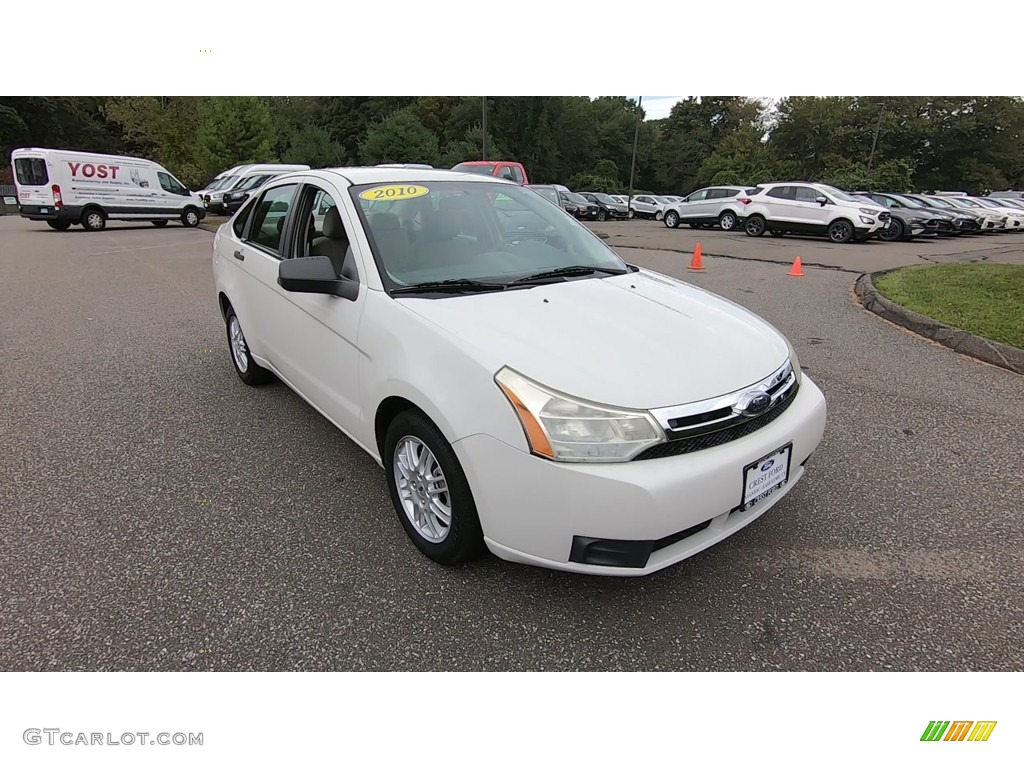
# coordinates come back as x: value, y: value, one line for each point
x: 719, y: 437
x: 884, y: 217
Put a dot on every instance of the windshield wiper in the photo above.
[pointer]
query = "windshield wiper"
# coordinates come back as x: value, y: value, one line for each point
x: 565, y: 272
x: 456, y: 285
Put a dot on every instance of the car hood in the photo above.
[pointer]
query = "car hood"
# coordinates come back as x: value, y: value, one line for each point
x: 640, y: 340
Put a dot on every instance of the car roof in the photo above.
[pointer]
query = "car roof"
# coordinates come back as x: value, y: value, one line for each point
x: 378, y: 175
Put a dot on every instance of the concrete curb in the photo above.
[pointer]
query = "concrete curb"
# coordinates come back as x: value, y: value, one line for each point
x: 957, y: 339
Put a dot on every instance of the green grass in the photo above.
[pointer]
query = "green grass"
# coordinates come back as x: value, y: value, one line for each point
x: 985, y: 299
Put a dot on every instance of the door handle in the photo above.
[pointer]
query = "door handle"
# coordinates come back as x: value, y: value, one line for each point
x: 239, y: 255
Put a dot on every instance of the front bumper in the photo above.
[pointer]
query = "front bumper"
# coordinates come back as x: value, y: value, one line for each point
x: 534, y: 511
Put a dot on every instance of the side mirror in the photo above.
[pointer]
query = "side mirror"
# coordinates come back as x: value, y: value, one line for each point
x: 821, y: 200
x: 315, y: 274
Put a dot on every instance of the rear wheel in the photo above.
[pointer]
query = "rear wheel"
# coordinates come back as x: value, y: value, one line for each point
x: 246, y: 368
x: 727, y: 221
x: 659, y: 216
x: 430, y: 492
x: 755, y: 226
x: 94, y: 220
x: 632, y: 213
x: 60, y: 226
x: 160, y: 223
x: 671, y: 219
x: 893, y: 232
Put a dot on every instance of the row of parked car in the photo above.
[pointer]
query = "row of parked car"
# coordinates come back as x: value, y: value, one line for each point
x: 799, y: 207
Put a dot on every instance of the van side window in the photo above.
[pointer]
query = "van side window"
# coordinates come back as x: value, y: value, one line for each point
x: 270, y: 216
x: 170, y: 184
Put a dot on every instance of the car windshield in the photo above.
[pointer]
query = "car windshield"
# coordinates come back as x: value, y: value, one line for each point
x: 909, y: 201
x: 606, y: 199
x: 663, y: 200
x: 1004, y: 201
x: 938, y: 202
x: 837, y: 193
x: 253, y: 181
x: 960, y: 202
x: 486, y: 233
x: 548, y: 193
x: 481, y: 170
x: 576, y: 198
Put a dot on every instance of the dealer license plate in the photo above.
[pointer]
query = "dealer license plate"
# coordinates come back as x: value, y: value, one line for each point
x: 44, y: 210
x: 765, y: 476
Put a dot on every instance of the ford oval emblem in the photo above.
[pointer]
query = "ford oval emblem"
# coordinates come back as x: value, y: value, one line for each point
x: 754, y: 403
x: 768, y: 465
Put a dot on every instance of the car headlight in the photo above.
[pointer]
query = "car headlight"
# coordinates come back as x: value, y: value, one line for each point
x: 869, y: 211
x: 563, y: 428
x: 867, y: 220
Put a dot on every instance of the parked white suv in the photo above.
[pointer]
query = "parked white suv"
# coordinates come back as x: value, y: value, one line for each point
x: 812, y: 209
x: 644, y: 206
x: 524, y: 389
x: 709, y: 206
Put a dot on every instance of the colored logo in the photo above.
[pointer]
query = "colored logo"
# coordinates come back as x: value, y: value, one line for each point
x: 768, y: 465
x: 958, y: 730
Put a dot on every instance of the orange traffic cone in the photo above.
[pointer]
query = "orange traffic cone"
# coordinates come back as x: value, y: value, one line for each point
x: 697, y: 262
x: 797, y: 270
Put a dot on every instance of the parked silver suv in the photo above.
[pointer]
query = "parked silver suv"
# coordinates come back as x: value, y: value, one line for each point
x: 709, y: 206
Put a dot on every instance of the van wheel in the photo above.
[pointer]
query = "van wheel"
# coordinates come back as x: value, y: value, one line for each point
x: 160, y: 223
x: 430, y: 492
x: 190, y: 217
x: 60, y: 226
x: 94, y: 220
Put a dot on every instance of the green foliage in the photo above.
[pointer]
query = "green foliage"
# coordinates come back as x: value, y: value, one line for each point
x: 920, y: 142
x: 234, y: 130
x: 400, y: 138
x: 312, y: 145
x: 594, y: 182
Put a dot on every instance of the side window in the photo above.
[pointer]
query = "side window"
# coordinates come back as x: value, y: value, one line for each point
x: 506, y: 173
x: 243, y: 216
x: 270, y: 216
x: 170, y: 184
x: 807, y: 195
x: 696, y: 197
x: 517, y: 175
x: 321, y: 231
x: 781, y: 193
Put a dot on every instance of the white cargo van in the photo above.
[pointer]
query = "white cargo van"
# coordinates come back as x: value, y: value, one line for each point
x: 63, y: 187
x: 213, y: 197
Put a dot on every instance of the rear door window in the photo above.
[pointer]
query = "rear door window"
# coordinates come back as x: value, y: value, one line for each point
x: 31, y: 171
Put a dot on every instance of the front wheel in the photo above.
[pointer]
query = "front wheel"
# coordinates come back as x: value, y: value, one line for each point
x: 659, y: 216
x: 60, y: 226
x: 840, y: 231
x: 632, y: 213
x: 430, y: 492
x: 602, y: 215
x: 671, y: 219
x: 190, y: 217
x: 755, y: 226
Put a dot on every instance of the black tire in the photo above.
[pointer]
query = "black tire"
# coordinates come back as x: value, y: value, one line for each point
x: 602, y: 215
x: 840, y: 231
x: 895, y: 231
x: 727, y: 221
x: 659, y: 216
x: 60, y: 226
x: 248, y: 371
x: 463, y: 538
x: 190, y: 217
x: 696, y: 225
x: 671, y: 219
x: 777, y: 232
x: 160, y: 223
x: 755, y: 225
x: 94, y: 219
x: 632, y: 213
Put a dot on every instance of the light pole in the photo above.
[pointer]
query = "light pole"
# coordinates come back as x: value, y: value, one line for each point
x: 483, y: 123
x: 632, y: 165
x: 874, y: 143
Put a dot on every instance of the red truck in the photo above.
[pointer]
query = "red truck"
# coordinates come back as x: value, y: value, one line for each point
x: 503, y: 169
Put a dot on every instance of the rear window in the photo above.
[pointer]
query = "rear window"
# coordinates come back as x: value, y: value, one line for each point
x: 31, y: 171
x: 483, y: 170
x: 754, y: 191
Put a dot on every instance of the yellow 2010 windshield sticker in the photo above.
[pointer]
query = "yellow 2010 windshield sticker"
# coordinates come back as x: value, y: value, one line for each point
x: 394, y: 192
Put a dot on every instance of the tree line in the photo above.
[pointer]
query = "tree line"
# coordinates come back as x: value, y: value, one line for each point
x: 967, y: 143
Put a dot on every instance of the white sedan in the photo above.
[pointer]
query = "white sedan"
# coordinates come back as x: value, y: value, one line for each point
x: 525, y: 390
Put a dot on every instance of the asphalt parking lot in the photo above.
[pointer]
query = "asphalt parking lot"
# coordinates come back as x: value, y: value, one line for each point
x: 159, y: 515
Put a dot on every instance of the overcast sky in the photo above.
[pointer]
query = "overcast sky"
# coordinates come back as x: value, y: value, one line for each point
x: 657, y: 107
